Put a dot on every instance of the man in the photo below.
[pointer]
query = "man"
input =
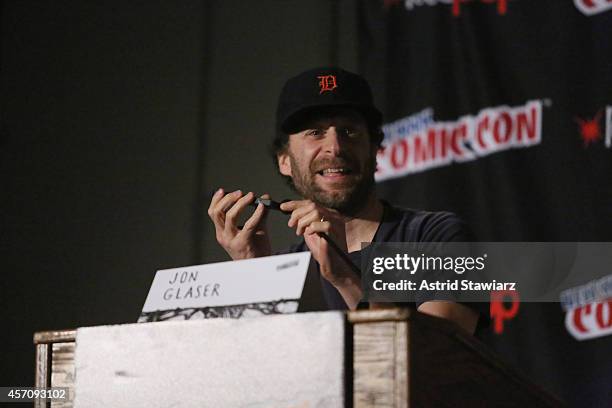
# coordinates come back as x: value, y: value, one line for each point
x: 328, y: 134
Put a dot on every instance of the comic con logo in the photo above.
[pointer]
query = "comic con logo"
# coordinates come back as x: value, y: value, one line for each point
x: 456, y: 5
x: 590, y: 7
x: 590, y: 321
x: 589, y: 309
x: 417, y: 143
x: 591, y: 130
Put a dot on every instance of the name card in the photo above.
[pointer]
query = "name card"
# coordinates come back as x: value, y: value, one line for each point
x: 250, y: 287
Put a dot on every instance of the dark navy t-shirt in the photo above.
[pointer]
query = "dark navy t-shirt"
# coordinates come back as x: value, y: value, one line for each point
x: 400, y: 225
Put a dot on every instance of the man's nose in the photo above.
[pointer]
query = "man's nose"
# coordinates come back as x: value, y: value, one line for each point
x: 333, y: 142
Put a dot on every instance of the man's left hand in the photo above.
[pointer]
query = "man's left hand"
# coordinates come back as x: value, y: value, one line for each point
x: 310, y: 220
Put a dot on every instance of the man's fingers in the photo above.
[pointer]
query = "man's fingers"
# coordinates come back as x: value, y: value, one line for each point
x: 215, y: 199
x: 265, y: 196
x: 215, y: 215
x: 255, y: 219
x: 306, y: 220
x: 292, y: 205
x: 305, y: 208
x: 227, y: 202
x: 318, y: 227
x: 231, y: 216
x: 317, y: 244
x: 214, y: 202
x: 223, y: 203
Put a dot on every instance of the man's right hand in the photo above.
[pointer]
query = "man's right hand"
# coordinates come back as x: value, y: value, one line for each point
x: 250, y: 241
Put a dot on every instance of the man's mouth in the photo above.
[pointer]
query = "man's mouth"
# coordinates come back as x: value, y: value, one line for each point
x: 335, y: 172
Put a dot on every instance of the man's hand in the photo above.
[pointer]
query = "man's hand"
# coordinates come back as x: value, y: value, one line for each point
x: 310, y: 220
x: 252, y: 240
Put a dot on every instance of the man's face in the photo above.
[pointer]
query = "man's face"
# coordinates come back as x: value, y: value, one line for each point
x: 332, y: 161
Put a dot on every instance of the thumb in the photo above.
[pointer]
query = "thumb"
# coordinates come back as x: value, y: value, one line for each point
x: 258, y: 219
x: 264, y: 219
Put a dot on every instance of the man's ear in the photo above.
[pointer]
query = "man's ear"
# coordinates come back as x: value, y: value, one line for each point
x: 284, y: 163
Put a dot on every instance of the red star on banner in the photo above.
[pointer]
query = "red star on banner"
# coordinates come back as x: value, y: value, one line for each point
x: 589, y: 129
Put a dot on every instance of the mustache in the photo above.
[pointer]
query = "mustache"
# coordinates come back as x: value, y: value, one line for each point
x: 341, y: 161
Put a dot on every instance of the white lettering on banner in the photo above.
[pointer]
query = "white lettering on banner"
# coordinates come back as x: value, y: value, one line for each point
x: 438, y: 144
x: 410, y: 4
x: 590, y: 7
x: 410, y: 124
x: 590, y: 321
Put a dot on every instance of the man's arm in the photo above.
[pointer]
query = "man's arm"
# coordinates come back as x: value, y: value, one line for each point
x: 448, y: 227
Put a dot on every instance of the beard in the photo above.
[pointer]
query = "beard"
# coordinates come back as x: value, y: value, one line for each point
x: 348, y: 196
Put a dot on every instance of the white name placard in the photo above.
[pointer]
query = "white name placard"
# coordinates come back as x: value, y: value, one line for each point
x: 267, y: 285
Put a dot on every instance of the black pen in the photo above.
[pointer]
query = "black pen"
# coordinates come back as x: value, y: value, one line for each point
x: 270, y: 204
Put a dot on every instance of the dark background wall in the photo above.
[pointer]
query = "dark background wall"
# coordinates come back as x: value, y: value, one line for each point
x: 116, y: 120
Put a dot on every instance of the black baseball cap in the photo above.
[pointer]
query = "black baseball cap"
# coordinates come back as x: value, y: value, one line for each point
x: 320, y: 88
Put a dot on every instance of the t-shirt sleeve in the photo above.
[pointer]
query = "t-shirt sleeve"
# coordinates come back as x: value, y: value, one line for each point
x: 442, y: 227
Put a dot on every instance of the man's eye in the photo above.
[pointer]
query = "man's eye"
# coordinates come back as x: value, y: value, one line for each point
x: 314, y: 132
x: 348, y: 132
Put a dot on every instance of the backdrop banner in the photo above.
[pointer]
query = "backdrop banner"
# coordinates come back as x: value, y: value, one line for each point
x: 501, y: 111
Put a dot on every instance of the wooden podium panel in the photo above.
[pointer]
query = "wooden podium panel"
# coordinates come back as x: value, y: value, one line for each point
x: 403, y: 358
x: 55, y: 363
x: 399, y: 358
